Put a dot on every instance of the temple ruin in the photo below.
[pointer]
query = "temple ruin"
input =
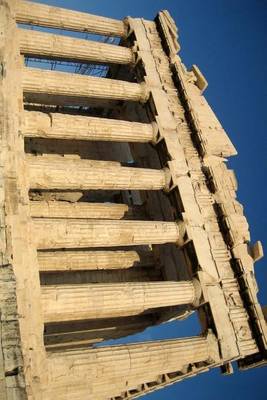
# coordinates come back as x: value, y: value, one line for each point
x: 118, y: 211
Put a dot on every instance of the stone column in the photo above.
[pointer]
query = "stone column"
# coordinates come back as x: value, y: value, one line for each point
x: 89, y: 301
x: 46, y: 45
x: 117, y: 369
x: 83, y: 210
x: 80, y: 86
x: 71, y: 233
x: 77, y: 127
x: 54, y: 17
x: 75, y: 174
x: 92, y: 260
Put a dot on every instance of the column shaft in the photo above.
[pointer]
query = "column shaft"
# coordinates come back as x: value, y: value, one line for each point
x: 64, y: 126
x: 85, y: 301
x: 61, y: 18
x: 46, y: 45
x: 64, y: 209
x: 116, y: 369
x: 71, y: 233
x: 64, y: 173
x: 92, y: 260
x: 74, y: 85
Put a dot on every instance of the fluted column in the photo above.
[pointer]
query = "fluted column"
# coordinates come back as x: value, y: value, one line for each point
x: 28, y: 12
x: 92, y: 260
x: 80, y: 86
x: 71, y: 233
x: 85, y: 301
x: 40, y: 44
x: 76, y: 127
x: 64, y: 209
x: 117, y: 369
x: 64, y: 173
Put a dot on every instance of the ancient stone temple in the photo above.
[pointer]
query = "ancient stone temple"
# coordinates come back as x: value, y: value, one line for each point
x: 118, y: 211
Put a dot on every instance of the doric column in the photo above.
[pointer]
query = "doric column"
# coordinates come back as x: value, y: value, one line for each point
x: 80, y: 86
x: 64, y: 209
x: 71, y: 233
x: 117, y: 369
x: 46, y: 45
x: 92, y: 260
x: 88, y: 301
x: 64, y: 173
x: 77, y: 127
x: 54, y: 17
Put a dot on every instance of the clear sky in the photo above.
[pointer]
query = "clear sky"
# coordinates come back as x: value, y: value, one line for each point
x: 227, y: 39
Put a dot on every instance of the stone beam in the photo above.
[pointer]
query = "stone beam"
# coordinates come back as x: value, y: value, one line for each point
x: 80, y: 86
x: 31, y: 13
x: 76, y: 127
x: 71, y: 233
x: 59, y: 47
x: 119, y: 369
x: 92, y: 260
x: 64, y: 209
x: 75, y: 174
x: 107, y: 300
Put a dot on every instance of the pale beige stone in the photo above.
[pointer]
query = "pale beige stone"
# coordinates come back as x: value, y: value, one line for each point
x: 92, y: 260
x: 80, y: 302
x: 70, y: 275
x: 40, y: 44
x: 64, y: 209
x: 66, y: 173
x: 64, y: 126
x: 28, y: 12
x: 117, y: 369
x: 45, y: 82
x: 80, y: 233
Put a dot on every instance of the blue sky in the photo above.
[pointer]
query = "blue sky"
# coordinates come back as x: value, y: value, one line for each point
x: 227, y: 39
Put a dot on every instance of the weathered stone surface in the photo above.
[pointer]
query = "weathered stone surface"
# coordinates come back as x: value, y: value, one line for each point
x: 45, y: 82
x: 118, y: 212
x: 75, y: 127
x: 92, y: 260
x: 119, y: 369
x: 83, y: 210
x: 79, y: 233
x: 28, y: 12
x: 89, y: 301
x: 45, y: 45
x: 66, y: 173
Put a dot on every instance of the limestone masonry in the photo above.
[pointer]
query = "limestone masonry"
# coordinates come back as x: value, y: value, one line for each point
x: 118, y: 211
